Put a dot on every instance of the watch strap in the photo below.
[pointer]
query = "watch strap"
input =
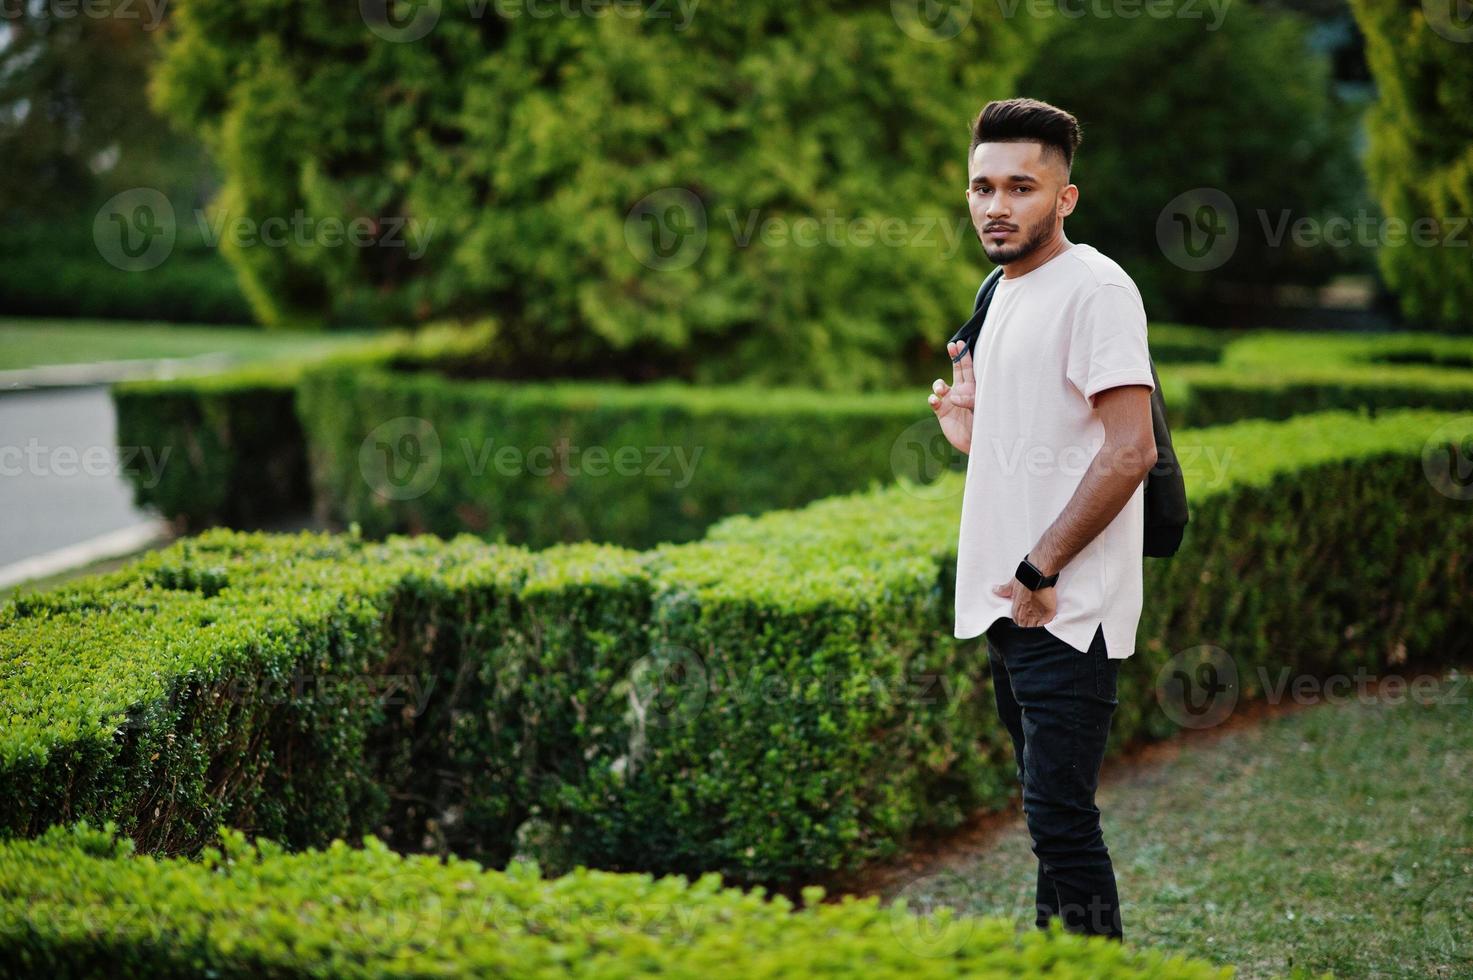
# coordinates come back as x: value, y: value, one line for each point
x: 1032, y: 576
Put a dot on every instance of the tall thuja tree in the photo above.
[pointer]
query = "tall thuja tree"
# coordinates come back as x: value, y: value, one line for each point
x: 763, y: 189
x: 1241, y: 105
x: 1420, y: 154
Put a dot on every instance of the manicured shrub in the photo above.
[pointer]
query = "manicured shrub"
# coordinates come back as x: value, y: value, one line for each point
x: 53, y: 268
x: 238, y: 452
x: 78, y: 904
x: 1279, y: 350
x: 779, y: 700
x: 1202, y: 395
x: 640, y: 465
x: 1175, y: 343
x: 633, y: 465
x: 1275, y: 374
x: 229, y: 446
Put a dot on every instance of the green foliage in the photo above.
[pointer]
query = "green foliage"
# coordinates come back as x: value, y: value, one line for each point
x: 75, y: 903
x: 535, y: 464
x: 540, y: 463
x: 1276, y: 375
x: 75, y: 130
x: 520, y: 147
x: 1239, y: 103
x: 228, y: 448
x: 779, y: 700
x: 1176, y: 343
x: 77, y: 127
x: 53, y: 268
x: 1420, y: 153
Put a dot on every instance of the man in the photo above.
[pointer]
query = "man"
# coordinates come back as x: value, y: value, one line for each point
x: 1055, y: 416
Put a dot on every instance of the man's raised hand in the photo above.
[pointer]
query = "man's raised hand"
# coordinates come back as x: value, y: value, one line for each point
x: 953, y: 403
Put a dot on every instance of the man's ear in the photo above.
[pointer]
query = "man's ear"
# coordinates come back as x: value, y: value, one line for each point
x: 1068, y: 197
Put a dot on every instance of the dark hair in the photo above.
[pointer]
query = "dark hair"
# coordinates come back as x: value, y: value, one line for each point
x: 1027, y: 120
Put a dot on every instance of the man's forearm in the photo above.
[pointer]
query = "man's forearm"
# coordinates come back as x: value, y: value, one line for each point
x: 1105, y: 488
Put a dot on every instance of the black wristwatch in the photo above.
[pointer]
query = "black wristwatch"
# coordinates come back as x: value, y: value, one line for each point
x: 1032, y: 576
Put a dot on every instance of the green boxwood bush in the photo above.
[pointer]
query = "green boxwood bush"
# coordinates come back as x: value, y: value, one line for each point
x: 235, y: 449
x: 1279, y: 349
x: 1277, y: 374
x: 1177, y: 343
x: 240, y: 456
x: 633, y: 465
x: 781, y: 699
x: 399, y: 452
x: 1211, y: 394
x: 78, y: 904
x: 236, y: 453
x: 53, y: 268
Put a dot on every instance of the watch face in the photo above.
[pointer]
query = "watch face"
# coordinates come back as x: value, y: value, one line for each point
x: 1029, y: 576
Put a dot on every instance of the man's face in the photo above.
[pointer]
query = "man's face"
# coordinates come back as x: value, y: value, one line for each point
x: 1018, y: 197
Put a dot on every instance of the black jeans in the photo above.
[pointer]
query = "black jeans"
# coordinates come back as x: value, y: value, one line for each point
x: 1057, y: 704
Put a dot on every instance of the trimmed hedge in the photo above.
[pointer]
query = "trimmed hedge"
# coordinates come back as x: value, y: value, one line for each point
x: 1278, y: 349
x: 779, y: 700
x: 1276, y: 374
x: 76, y: 903
x: 236, y: 452
x: 1207, y: 394
x: 53, y: 269
x: 642, y: 465
x: 239, y: 442
x: 1176, y: 343
x: 632, y: 465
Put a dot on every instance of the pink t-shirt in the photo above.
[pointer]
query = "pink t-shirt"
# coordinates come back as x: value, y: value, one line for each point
x: 1053, y: 339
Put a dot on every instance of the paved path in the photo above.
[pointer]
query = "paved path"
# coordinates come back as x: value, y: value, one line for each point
x: 104, y: 372
x: 65, y: 498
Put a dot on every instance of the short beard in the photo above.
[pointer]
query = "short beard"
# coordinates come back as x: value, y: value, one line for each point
x: 1012, y: 253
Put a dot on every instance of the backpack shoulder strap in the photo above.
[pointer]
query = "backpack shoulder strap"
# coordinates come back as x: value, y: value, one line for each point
x: 969, y: 331
x: 984, y: 291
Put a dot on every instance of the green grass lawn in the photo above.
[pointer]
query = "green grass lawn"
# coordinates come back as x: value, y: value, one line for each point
x: 31, y: 342
x: 61, y: 578
x: 1337, y: 837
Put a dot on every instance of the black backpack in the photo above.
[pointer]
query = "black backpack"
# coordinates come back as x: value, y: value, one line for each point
x: 1166, y: 491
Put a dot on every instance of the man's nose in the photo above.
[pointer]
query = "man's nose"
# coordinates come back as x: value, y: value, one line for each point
x: 996, y: 207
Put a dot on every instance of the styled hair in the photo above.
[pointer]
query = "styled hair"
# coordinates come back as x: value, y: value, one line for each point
x: 1030, y: 121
